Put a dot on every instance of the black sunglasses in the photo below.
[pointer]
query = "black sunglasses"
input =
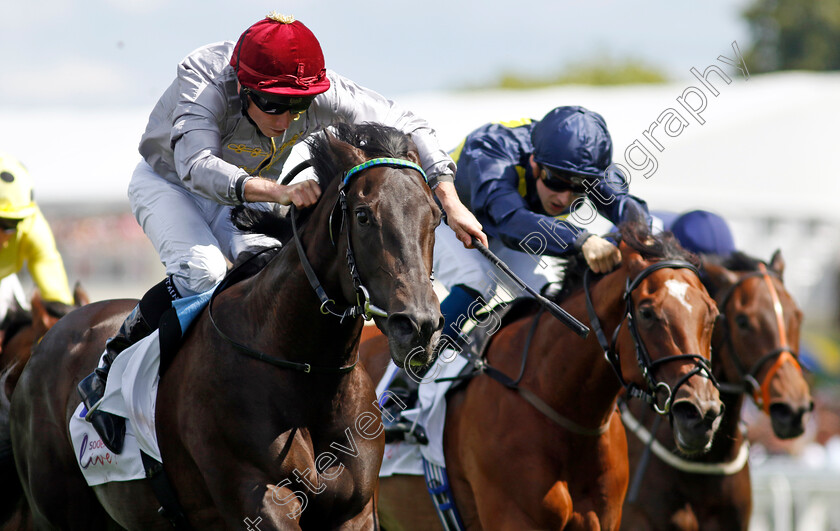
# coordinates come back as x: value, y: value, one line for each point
x: 8, y: 225
x: 564, y: 183
x: 292, y: 105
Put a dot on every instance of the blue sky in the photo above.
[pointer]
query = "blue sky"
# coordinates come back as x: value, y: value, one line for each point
x: 122, y: 53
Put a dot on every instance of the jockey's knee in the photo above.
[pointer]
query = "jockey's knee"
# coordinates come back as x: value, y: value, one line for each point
x: 200, y: 271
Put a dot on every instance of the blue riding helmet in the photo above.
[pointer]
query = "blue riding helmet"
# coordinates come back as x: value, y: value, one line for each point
x: 574, y: 140
x: 701, y: 231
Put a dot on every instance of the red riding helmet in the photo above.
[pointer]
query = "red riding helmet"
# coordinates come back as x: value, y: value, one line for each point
x: 279, y: 55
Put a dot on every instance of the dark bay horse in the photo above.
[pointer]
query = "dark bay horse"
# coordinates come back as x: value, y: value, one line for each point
x: 514, y: 464
x: 262, y: 418
x: 755, y: 343
x: 18, y: 336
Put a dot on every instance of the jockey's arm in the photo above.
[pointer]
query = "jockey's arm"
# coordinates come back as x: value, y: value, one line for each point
x: 44, y: 262
x: 458, y: 217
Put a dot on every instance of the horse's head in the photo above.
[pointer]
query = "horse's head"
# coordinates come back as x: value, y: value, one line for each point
x: 669, y: 322
x: 22, y: 329
x: 757, y: 337
x: 383, y: 218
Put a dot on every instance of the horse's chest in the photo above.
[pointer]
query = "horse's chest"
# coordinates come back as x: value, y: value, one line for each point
x: 338, y: 471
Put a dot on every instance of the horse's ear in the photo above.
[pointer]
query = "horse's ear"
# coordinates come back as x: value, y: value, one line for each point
x: 717, y: 277
x: 777, y: 263
x: 80, y: 296
x: 412, y: 154
x: 347, y: 154
x: 41, y: 319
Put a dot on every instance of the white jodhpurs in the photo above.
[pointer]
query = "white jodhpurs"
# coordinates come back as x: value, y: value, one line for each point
x: 12, y: 297
x: 455, y: 264
x: 193, y: 236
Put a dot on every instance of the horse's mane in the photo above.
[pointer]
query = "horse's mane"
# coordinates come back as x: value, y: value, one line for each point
x: 15, y: 320
x: 638, y: 236
x: 374, y: 140
x: 736, y: 261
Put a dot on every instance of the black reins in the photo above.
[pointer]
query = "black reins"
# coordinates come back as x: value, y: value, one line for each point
x: 531, y: 397
x: 647, y: 365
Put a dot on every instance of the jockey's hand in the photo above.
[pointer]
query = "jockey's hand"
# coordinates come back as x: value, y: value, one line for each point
x: 302, y: 194
x: 463, y: 222
x: 458, y: 217
x: 601, y: 256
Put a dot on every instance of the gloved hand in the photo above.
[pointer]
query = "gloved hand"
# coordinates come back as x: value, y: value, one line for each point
x: 601, y: 256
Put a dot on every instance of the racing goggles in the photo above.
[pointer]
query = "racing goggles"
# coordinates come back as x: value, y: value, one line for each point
x: 8, y: 225
x: 279, y: 104
x: 565, y: 182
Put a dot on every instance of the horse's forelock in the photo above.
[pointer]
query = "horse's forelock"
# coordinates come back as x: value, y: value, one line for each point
x: 663, y: 246
x: 372, y: 139
x: 740, y: 261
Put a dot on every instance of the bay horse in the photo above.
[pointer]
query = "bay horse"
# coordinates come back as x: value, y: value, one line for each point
x: 547, y: 450
x: 263, y: 419
x: 755, y: 343
x: 19, y: 333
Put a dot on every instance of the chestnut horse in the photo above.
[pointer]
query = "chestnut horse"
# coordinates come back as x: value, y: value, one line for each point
x: 262, y: 418
x: 548, y: 450
x: 18, y: 336
x: 755, y: 343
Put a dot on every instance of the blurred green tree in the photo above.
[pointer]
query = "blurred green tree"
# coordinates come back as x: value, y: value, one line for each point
x: 793, y: 35
x: 599, y: 70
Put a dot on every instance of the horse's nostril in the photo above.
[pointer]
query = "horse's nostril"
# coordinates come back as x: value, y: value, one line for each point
x: 429, y: 327
x: 686, y: 410
x: 400, y: 325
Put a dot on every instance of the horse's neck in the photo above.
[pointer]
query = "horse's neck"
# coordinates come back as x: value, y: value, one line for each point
x: 292, y: 311
x: 580, y: 360
x: 727, y: 439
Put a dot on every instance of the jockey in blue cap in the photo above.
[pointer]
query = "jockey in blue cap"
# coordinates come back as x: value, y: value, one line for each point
x: 703, y: 232
x: 524, y: 181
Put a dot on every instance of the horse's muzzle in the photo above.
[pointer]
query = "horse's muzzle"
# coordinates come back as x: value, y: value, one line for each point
x: 788, y: 422
x: 413, y: 335
x: 694, y: 425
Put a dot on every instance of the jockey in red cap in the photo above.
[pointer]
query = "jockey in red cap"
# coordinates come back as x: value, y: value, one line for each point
x: 280, y: 59
x: 218, y: 137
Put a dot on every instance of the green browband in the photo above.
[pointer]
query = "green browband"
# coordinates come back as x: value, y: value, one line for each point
x: 399, y: 163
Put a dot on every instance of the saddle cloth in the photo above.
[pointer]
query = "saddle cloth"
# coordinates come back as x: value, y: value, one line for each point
x: 407, y: 458
x: 131, y: 392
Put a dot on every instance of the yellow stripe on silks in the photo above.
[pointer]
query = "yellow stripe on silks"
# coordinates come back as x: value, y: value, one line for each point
x: 515, y: 123
x: 456, y: 153
x: 523, y: 185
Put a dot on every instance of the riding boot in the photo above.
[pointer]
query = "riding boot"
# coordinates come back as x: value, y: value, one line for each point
x: 142, y: 320
x: 455, y: 310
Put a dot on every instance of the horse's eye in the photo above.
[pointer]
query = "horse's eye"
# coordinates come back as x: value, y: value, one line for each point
x: 647, y: 313
x: 362, y: 217
x: 742, y: 321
